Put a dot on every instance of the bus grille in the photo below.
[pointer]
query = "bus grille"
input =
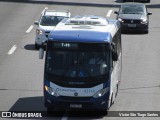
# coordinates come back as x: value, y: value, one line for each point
x: 75, y: 98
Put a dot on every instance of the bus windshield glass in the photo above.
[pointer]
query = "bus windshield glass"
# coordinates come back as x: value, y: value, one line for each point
x: 77, y: 60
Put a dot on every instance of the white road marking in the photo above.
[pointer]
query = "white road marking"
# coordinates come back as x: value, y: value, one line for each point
x: 65, y: 116
x: 11, y: 51
x: 29, y: 29
x: 109, y: 13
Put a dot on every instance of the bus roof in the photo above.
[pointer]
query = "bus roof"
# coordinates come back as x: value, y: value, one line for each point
x: 85, y: 29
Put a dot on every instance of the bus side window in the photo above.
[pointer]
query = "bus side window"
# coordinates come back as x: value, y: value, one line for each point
x: 117, y: 44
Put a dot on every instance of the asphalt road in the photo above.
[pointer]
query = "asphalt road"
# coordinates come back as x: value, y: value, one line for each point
x: 21, y: 72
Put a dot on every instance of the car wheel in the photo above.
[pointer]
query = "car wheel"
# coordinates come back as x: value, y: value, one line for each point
x: 111, y: 102
x: 36, y: 46
x: 145, y: 31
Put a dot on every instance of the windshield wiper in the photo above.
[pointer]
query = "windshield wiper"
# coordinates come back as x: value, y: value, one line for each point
x: 139, y: 13
x: 135, y: 13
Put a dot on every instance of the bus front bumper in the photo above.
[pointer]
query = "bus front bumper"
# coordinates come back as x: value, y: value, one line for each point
x: 84, y: 103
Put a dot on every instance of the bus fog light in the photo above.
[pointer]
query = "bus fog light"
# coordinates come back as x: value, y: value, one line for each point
x: 49, y: 101
x: 103, y: 102
x: 51, y: 91
x: 100, y: 93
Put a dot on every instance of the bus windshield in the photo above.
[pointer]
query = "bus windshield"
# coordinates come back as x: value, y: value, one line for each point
x: 77, y: 60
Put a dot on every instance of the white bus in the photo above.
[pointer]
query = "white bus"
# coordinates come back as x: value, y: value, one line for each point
x: 82, y: 64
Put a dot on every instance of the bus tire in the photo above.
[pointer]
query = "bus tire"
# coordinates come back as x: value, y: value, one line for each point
x: 116, y: 91
x: 111, y: 102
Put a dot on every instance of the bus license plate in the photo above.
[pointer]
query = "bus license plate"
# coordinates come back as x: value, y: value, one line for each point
x: 131, y: 25
x: 75, y: 105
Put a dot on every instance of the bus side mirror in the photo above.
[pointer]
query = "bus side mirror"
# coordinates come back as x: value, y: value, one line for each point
x: 114, y: 52
x: 114, y: 56
x: 41, y: 53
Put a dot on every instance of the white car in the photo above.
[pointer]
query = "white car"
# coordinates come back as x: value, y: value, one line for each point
x: 47, y: 22
x: 136, y: 1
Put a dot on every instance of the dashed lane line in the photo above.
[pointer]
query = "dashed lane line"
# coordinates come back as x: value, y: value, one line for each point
x: 11, y: 51
x: 29, y: 29
x: 109, y: 13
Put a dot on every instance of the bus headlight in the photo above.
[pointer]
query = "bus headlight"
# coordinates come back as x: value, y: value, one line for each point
x: 100, y: 93
x: 51, y: 91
